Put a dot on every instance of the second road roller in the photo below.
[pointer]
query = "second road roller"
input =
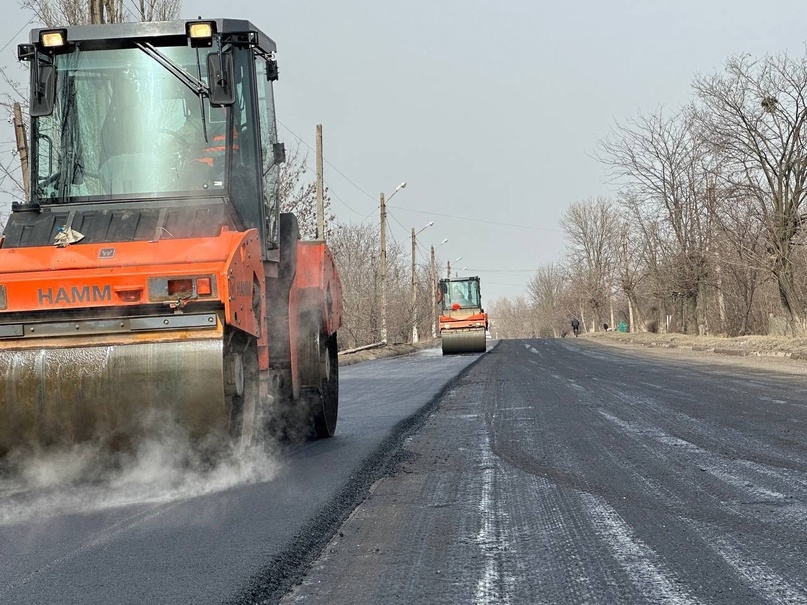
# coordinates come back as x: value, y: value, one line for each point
x: 463, y: 321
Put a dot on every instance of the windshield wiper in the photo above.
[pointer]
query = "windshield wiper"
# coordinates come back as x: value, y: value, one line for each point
x: 196, y: 85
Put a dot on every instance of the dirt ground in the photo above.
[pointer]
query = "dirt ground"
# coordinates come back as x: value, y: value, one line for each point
x: 779, y: 353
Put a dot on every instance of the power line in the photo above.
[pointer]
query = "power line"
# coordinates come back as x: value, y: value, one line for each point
x: 479, y: 220
x: 504, y: 270
x: 345, y: 204
x: 464, y: 218
x: 493, y: 283
x: 17, y: 34
x: 344, y: 176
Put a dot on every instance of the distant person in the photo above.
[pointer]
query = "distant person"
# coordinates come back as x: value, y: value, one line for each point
x: 605, y: 327
x: 575, y: 326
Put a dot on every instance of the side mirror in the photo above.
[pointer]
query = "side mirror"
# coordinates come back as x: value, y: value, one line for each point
x: 43, y: 91
x: 221, y: 79
x: 278, y: 153
x: 271, y: 70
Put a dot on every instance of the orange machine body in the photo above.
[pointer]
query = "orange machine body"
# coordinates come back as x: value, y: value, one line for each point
x: 107, y: 279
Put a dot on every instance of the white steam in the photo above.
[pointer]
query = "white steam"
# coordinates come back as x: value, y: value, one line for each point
x: 85, y: 478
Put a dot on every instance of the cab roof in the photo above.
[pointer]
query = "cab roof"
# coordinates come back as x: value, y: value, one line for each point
x: 153, y: 30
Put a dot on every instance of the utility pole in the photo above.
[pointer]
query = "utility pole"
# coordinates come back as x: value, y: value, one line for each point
x: 414, y: 292
x: 432, y: 278
x: 96, y: 11
x: 22, y: 149
x: 383, y: 208
x: 320, y: 188
x: 383, y: 269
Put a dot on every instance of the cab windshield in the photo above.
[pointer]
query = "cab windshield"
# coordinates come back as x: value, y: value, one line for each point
x: 123, y: 126
x: 465, y: 294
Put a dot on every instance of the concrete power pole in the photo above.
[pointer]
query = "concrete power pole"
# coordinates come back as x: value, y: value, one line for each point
x: 414, y: 292
x: 383, y: 269
x: 320, y: 188
x: 22, y: 149
x: 432, y: 278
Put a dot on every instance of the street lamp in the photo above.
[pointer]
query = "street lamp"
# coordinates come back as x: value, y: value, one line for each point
x: 448, y: 266
x: 433, y: 279
x: 384, y: 261
x: 415, y: 283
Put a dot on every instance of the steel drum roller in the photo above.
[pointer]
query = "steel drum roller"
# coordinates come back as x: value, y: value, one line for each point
x: 68, y: 395
x: 463, y: 341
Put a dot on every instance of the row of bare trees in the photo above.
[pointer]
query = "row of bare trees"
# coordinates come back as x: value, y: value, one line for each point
x: 705, y: 234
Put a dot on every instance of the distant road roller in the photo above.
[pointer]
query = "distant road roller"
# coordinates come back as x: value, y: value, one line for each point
x: 463, y: 321
x: 149, y: 274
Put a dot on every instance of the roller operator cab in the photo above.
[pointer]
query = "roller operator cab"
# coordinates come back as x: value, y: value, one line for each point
x: 463, y: 321
x: 150, y: 273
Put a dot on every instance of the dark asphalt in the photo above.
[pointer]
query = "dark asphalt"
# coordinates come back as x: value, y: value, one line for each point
x: 561, y: 471
x: 154, y: 532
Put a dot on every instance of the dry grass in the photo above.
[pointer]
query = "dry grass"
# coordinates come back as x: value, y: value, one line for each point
x: 777, y: 346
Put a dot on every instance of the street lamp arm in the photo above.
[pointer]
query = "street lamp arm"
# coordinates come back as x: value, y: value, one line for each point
x: 397, y: 189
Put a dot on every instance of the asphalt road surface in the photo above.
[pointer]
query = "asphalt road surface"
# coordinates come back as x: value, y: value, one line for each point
x: 162, y: 527
x: 545, y: 471
x: 561, y: 471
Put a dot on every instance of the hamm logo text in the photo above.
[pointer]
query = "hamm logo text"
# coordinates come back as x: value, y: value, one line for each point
x: 75, y: 294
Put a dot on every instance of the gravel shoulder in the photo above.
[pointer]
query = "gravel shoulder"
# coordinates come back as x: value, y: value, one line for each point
x: 773, y: 353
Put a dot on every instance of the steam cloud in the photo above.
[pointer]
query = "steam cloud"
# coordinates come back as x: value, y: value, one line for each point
x: 162, y: 468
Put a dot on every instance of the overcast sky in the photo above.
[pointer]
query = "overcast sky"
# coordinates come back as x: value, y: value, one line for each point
x: 489, y: 110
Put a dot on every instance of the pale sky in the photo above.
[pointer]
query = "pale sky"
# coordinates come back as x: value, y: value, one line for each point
x: 489, y: 110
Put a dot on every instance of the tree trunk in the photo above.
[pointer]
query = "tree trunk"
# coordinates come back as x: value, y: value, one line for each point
x: 721, y: 300
x: 701, y: 308
x: 783, y: 270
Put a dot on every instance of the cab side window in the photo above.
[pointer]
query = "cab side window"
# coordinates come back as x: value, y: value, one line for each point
x: 268, y: 130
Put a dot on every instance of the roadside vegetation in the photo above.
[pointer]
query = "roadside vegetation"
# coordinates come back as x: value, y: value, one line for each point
x: 705, y: 234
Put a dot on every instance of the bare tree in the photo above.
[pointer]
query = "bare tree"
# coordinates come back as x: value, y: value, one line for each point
x: 510, y: 318
x: 631, y: 269
x: 546, y: 291
x: 52, y: 13
x: 592, y: 229
x: 356, y: 250
x: 755, y: 112
x: 663, y: 168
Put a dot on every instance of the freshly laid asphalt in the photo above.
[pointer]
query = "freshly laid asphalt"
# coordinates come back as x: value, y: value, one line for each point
x: 241, y: 533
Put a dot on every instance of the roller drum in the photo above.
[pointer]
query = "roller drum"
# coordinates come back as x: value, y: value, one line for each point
x: 110, y: 392
x: 463, y: 341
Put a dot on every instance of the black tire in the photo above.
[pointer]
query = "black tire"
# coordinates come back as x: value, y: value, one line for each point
x: 242, y: 390
x: 289, y: 236
x: 325, y: 412
x: 319, y: 377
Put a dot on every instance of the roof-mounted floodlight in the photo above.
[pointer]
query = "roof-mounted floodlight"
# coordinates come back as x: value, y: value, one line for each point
x: 201, y: 33
x: 56, y: 38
